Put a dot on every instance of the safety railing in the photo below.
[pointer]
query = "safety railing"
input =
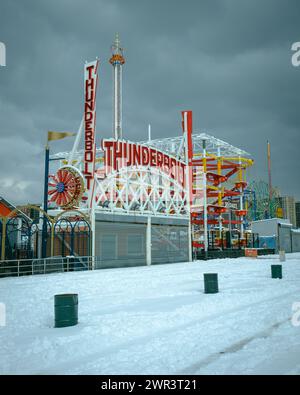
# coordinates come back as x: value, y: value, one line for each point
x: 23, y: 267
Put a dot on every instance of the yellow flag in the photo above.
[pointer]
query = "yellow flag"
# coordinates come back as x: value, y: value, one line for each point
x: 59, y: 135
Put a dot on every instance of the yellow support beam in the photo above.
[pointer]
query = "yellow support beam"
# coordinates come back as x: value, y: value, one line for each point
x: 207, y: 154
x: 3, y: 242
x: 219, y: 167
x: 248, y: 161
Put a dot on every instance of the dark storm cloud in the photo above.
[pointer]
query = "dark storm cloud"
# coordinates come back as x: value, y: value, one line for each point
x: 228, y: 61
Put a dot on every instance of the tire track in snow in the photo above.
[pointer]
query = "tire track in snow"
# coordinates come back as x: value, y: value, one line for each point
x: 195, y: 367
x: 88, y: 358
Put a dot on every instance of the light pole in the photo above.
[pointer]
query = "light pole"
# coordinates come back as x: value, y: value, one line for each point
x: 204, y: 199
x: 46, y: 177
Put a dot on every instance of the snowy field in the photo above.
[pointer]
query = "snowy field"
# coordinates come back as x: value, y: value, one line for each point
x: 156, y: 320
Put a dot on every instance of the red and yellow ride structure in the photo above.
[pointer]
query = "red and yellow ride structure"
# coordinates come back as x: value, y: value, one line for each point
x: 225, y: 182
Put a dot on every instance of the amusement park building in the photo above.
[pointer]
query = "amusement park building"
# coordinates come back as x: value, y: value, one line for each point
x: 141, y: 215
x: 153, y: 201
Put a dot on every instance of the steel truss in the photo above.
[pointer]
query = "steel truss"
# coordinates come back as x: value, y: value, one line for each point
x: 175, y: 146
x: 146, y: 190
x: 135, y: 191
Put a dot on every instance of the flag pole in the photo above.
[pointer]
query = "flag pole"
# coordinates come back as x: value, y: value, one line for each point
x: 270, y: 179
x: 46, y: 178
x: 76, y: 143
x: 51, y: 135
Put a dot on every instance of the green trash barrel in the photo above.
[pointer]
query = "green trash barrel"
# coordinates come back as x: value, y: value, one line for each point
x: 211, y: 283
x: 276, y: 271
x: 66, y: 310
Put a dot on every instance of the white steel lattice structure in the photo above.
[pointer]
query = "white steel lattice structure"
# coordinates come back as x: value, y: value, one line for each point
x: 175, y: 146
x: 136, y: 190
x: 147, y: 190
x: 141, y: 190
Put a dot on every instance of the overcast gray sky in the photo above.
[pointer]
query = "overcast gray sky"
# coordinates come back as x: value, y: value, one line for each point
x: 227, y: 60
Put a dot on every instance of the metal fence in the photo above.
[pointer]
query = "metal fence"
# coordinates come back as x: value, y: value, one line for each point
x: 21, y: 237
x: 23, y: 267
x: 232, y: 240
x: 26, y: 267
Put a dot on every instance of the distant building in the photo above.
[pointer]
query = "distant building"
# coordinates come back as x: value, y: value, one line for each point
x: 287, y: 203
x: 297, y: 206
x: 276, y: 233
x: 5, y: 207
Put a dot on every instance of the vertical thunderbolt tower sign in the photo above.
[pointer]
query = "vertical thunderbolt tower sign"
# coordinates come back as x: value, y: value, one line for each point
x: 117, y: 60
x: 90, y: 88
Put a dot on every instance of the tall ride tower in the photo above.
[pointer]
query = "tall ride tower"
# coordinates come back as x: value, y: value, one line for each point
x: 117, y: 60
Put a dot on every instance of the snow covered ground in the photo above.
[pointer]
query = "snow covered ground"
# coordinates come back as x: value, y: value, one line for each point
x: 156, y: 320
